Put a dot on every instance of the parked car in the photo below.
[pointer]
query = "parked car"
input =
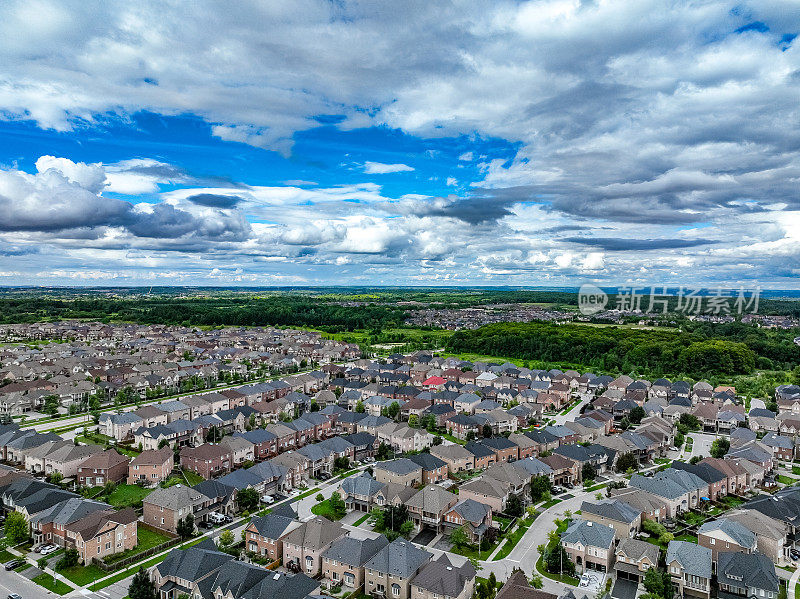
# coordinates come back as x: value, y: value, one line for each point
x: 228, y: 517
x: 206, y: 524
x: 216, y: 518
x: 268, y: 499
x: 48, y: 549
x: 795, y: 554
x: 14, y: 596
x: 14, y: 563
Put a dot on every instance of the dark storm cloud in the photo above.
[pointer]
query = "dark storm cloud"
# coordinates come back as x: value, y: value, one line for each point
x: 212, y: 200
x: 471, y: 210
x: 619, y: 244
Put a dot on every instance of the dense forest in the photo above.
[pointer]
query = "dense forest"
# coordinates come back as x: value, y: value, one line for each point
x: 702, y: 351
x: 285, y: 310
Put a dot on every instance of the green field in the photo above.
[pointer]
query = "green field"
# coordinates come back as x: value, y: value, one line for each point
x: 128, y: 495
x: 323, y: 508
x: 146, y: 539
x: 56, y: 586
x: 82, y: 575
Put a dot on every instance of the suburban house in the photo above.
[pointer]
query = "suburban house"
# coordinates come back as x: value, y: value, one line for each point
x: 487, y: 490
x: 103, y: 533
x: 725, y: 535
x: 343, y: 562
x: 401, y: 471
x: 390, y: 571
x: 429, y: 505
x: 457, y: 458
x: 208, y: 460
x: 441, y: 578
x: 622, y: 517
x: 303, y: 547
x: 97, y: 470
x: 471, y: 516
x: 690, y: 567
x: 634, y: 558
x: 164, y: 507
x: 151, y: 467
x: 359, y: 492
x: 746, y: 575
x: 590, y: 546
x: 264, y: 535
x: 434, y: 470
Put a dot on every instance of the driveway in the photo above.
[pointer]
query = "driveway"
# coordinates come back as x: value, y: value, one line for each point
x: 424, y: 537
x: 702, y: 444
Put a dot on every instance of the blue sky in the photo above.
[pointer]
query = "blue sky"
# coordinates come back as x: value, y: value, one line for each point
x: 543, y: 143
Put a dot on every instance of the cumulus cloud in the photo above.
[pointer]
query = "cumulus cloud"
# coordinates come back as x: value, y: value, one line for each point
x: 379, y: 168
x: 630, y: 123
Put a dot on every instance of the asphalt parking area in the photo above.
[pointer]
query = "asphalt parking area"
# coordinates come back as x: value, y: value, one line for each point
x: 424, y: 537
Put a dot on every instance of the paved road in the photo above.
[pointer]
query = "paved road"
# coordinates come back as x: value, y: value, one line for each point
x: 525, y: 553
x: 12, y: 582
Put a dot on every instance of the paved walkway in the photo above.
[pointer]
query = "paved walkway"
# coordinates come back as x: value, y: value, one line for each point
x: 792, y: 584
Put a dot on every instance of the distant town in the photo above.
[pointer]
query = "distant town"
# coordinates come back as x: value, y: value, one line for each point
x: 255, y: 461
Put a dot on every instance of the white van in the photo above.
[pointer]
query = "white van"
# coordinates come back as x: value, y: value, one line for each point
x: 268, y: 499
x: 216, y: 518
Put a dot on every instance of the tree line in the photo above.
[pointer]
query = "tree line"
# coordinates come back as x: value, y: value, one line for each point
x: 706, y: 350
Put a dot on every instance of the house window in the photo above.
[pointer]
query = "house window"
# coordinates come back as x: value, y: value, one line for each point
x: 396, y: 590
x: 309, y: 563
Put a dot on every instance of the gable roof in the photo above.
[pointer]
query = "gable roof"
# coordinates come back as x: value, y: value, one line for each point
x: 693, y: 558
x: 399, y: 558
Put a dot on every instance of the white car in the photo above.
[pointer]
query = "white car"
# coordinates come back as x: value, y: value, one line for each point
x: 48, y: 549
x: 268, y: 499
x: 216, y: 518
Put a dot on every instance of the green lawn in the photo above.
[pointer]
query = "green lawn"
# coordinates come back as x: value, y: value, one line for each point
x: 796, y: 470
x: 189, y: 477
x: 306, y: 494
x: 323, y: 508
x: 192, y: 477
x: 569, y: 408
x: 83, y: 575
x: 785, y: 480
x: 565, y: 579
x: 550, y: 504
x: 363, y: 519
x: 128, y: 495
x: 5, y: 556
x: 471, y: 552
x: 56, y: 586
x: 146, y: 539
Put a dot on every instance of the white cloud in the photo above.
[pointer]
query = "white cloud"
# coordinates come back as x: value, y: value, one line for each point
x: 379, y: 168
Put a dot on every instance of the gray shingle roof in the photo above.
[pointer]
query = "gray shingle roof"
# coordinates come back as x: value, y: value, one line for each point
x: 734, y: 530
x: 589, y: 534
x: 613, y: 509
x: 399, y: 558
x: 273, y: 526
x: 355, y: 552
x: 441, y: 577
x: 693, y: 558
x: 750, y: 570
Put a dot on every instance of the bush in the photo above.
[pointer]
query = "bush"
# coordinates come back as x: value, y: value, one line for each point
x: 69, y: 559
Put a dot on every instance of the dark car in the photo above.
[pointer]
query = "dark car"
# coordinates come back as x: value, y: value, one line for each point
x: 14, y: 563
